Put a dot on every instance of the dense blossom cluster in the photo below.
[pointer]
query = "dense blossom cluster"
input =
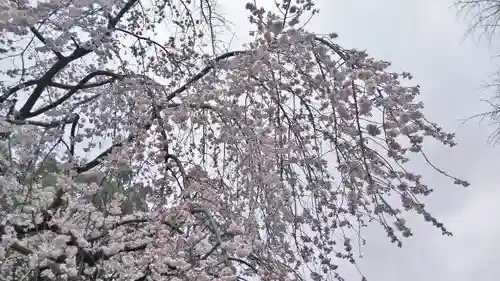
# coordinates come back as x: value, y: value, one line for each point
x: 132, y: 152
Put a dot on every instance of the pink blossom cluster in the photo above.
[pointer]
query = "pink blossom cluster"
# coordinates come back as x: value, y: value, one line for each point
x: 127, y: 153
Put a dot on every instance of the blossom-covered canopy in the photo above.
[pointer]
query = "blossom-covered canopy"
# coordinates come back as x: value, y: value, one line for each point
x: 134, y: 146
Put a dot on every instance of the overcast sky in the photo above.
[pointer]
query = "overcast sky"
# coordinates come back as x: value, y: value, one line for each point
x: 425, y: 38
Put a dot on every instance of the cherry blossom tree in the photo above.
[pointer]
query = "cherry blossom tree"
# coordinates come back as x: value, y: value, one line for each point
x: 134, y: 146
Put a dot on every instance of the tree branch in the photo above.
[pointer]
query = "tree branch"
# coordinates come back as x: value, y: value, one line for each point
x: 52, y: 124
x: 204, y: 72
x: 71, y: 92
x: 40, y: 37
x: 78, y: 53
x: 29, y: 83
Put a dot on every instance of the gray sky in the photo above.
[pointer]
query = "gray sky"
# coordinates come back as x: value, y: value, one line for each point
x: 425, y: 38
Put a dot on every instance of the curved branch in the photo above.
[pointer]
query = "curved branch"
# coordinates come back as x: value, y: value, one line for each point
x: 78, y: 53
x: 114, y: 21
x: 33, y: 82
x: 52, y: 124
x: 45, y: 80
x: 204, y: 72
x: 97, y: 160
x: 83, y: 87
x: 334, y: 47
x: 42, y: 39
x: 147, y: 39
x: 244, y: 262
x: 16, y: 88
x: 71, y: 92
x: 178, y: 162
